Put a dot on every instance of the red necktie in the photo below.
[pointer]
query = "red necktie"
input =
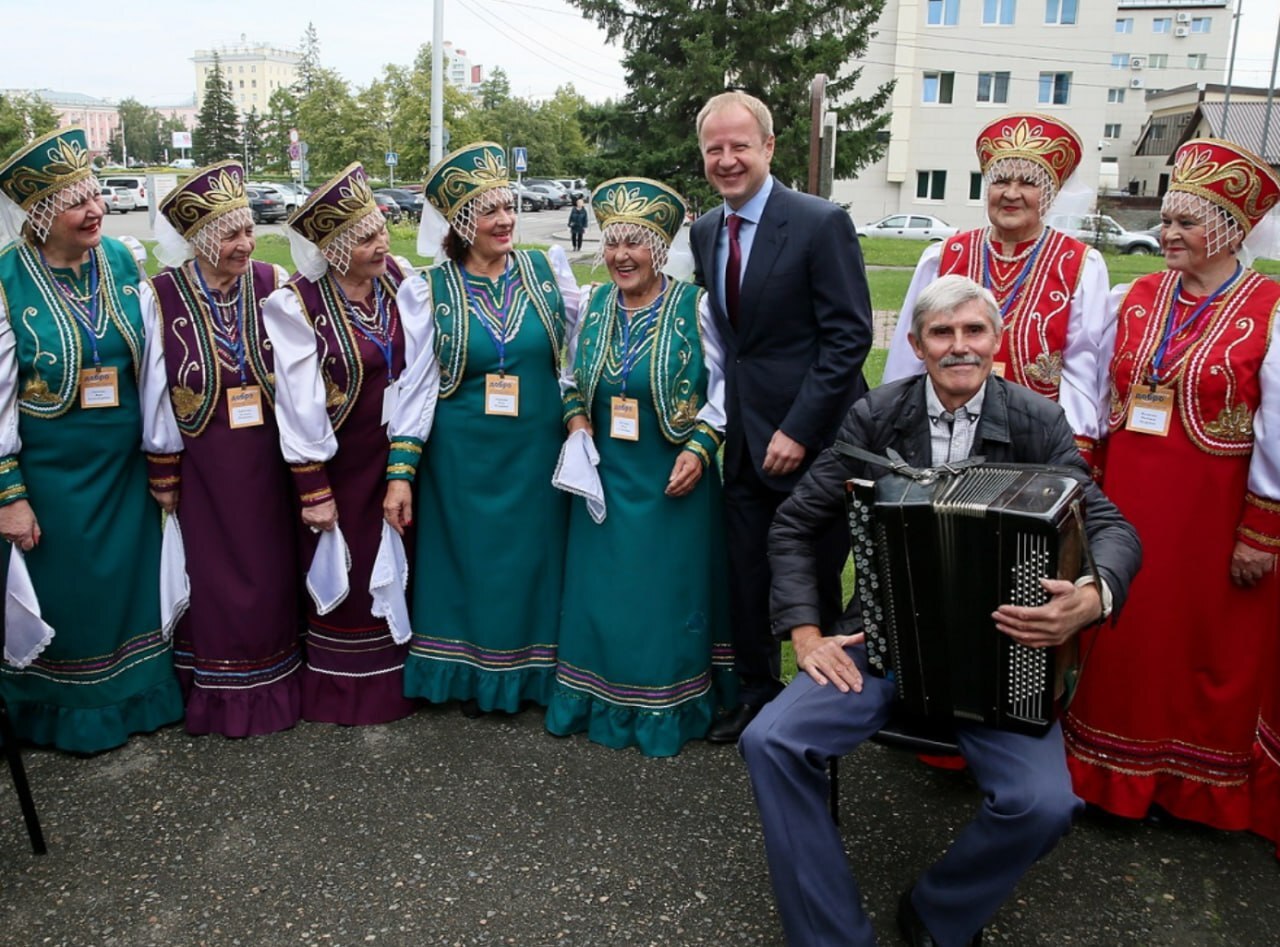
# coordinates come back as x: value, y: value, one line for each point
x: 733, y: 270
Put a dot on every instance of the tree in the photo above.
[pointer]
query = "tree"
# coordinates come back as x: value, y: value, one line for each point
x: 408, y: 91
x: 217, y: 134
x: 22, y: 119
x: 141, y: 132
x: 496, y: 89
x: 281, y: 118
x: 251, y: 139
x: 309, y: 63
x: 682, y: 52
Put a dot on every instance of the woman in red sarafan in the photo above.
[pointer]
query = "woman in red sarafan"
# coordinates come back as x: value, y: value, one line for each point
x: 1167, y: 713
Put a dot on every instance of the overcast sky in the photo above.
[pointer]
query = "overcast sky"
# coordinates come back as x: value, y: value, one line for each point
x: 143, y: 48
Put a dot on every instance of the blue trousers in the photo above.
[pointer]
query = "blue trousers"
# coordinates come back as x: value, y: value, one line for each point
x: 1027, y: 806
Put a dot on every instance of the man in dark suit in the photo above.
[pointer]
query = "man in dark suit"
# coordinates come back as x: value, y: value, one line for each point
x: 958, y: 409
x: 785, y: 281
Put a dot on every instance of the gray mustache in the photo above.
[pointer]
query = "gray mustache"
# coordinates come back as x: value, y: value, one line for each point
x: 950, y: 361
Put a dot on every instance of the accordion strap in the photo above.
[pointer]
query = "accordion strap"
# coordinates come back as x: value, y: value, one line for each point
x: 898, y: 465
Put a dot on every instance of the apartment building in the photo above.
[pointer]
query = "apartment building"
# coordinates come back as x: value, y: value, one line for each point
x: 960, y: 63
x: 254, y: 71
x: 459, y: 71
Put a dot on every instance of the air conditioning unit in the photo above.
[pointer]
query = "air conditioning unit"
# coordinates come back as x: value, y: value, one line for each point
x: 1136, y: 83
x: 1137, y: 62
x: 1184, y: 17
x: 1181, y: 32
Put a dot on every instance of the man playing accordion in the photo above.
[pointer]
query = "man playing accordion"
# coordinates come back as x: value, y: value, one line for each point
x: 957, y: 409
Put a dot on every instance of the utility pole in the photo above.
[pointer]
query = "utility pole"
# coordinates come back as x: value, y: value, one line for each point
x: 437, y: 83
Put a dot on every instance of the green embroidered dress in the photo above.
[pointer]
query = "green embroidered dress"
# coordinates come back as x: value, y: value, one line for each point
x: 488, y: 526
x: 108, y: 672
x: 644, y: 653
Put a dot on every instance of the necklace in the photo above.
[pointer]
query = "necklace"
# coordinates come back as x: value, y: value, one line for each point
x: 631, y: 310
x: 1010, y: 257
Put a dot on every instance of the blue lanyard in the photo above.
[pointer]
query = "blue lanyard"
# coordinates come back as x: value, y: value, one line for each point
x: 237, y: 343
x: 632, y: 355
x: 499, y: 338
x: 384, y: 320
x: 1170, y: 330
x: 86, y: 317
x: 1017, y: 284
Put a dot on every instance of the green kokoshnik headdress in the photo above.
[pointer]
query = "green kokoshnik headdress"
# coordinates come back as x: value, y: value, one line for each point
x: 646, y: 203
x: 44, y: 178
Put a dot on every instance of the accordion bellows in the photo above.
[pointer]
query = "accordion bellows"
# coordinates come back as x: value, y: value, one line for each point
x: 934, y: 557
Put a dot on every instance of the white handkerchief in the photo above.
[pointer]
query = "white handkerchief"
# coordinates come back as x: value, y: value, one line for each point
x: 175, y: 586
x: 327, y: 579
x: 387, y: 582
x: 26, y: 634
x: 576, y: 472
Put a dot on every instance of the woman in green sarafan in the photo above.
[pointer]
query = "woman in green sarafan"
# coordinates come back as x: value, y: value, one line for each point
x: 77, y: 377
x: 644, y: 654
x: 478, y: 424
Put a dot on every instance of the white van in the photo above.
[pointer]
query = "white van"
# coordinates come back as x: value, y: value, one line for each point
x: 135, y: 183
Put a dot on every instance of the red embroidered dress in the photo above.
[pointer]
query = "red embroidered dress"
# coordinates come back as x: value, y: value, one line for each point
x: 1167, y: 708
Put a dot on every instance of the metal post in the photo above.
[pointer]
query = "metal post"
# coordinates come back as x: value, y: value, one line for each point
x: 1271, y: 94
x: 1231, y: 68
x: 437, y: 83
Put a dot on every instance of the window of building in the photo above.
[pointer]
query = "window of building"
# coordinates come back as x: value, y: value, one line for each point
x: 998, y: 12
x: 1201, y: 24
x: 1162, y: 24
x: 1055, y: 88
x: 1119, y: 60
x: 1115, y: 96
x: 931, y: 185
x: 993, y: 87
x: 242, y: 83
x: 1124, y: 24
x: 1155, y: 131
x: 938, y: 87
x: 975, y: 185
x: 1111, y: 130
x: 1060, y: 12
x: 1158, y: 61
x: 944, y: 12
x: 1196, y: 60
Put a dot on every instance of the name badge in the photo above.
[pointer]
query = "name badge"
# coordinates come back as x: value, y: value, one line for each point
x: 624, y: 418
x: 244, y: 406
x: 390, y: 398
x: 99, y: 388
x: 502, y: 395
x: 1150, y: 412
x: 997, y: 369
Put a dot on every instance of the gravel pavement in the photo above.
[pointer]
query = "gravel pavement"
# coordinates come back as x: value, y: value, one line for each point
x: 437, y: 830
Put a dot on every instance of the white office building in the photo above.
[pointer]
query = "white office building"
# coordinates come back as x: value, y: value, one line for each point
x: 959, y: 64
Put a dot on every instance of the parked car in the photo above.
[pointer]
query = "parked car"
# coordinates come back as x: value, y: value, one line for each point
x: 182, y: 163
x: 118, y: 200
x: 136, y: 183
x: 410, y: 203
x: 909, y: 227
x: 284, y: 193
x: 577, y: 187
x: 556, y: 195
x: 1099, y: 230
x: 529, y: 199
x: 265, y: 208
x: 390, y: 209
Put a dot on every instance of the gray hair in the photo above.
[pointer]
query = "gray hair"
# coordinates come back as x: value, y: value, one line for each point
x: 946, y: 294
x: 725, y: 100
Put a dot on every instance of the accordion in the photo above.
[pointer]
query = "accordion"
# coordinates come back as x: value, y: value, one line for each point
x: 936, y: 552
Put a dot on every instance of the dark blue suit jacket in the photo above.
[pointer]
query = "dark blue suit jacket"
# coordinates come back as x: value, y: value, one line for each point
x: 804, y: 328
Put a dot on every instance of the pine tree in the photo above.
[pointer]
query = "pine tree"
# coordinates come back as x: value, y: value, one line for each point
x: 251, y: 136
x: 682, y: 52
x: 217, y: 134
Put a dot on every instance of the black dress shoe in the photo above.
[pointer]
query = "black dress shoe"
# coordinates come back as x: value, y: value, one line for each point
x: 729, y: 727
x: 912, y: 926
x: 471, y: 709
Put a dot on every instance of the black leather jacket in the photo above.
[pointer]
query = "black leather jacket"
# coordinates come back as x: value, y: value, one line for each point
x: 1016, y: 426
